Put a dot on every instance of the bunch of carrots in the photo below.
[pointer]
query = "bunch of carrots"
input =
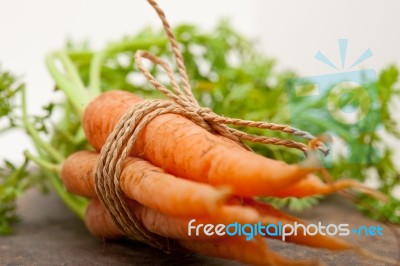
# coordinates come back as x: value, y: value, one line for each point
x: 178, y: 171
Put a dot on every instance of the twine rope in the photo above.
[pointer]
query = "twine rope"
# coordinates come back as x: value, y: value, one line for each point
x: 182, y: 102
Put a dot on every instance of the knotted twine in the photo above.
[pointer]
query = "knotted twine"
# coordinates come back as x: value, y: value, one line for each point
x: 181, y: 102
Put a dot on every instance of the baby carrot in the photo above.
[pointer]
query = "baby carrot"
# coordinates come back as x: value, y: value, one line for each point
x: 146, y: 184
x: 313, y: 185
x: 99, y: 222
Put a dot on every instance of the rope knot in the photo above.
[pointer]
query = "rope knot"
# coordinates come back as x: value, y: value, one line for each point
x: 204, y: 112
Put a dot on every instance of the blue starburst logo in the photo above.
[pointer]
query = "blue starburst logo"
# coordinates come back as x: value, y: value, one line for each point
x: 344, y: 104
x: 343, y: 52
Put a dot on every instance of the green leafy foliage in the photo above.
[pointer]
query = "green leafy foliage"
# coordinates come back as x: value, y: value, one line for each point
x: 10, y: 175
x: 14, y: 179
x: 13, y: 183
x: 294, y: 204
x: 9, y: 88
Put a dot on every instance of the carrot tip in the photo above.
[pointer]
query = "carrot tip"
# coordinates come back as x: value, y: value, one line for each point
x: 225, y: 192
x: 355, y: 185
x: 373, y: 193
x: 342, y: 184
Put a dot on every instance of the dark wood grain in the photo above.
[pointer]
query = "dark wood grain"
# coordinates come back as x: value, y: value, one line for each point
x: 50, y: 234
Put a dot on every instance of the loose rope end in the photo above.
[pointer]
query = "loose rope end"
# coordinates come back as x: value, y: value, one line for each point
x: 312, y: 161
x: 320, y: 143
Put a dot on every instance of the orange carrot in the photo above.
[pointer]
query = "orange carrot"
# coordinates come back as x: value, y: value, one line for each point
x: 313, y: 185
x: 146, y: 184
x: 184, y: 149
x: 100, y: 223
x: 241, y: 214
x: 253, y: 252
x: 164, y: 225
x: 177, y: 228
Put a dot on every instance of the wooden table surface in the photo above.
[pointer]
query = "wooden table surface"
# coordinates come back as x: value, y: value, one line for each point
x: 49, y: 234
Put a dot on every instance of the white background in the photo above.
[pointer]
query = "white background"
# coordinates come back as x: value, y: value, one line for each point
x: 291, y: 31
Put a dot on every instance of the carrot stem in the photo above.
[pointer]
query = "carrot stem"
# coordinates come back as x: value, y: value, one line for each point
x: 68, y: 80
x: 78, y: 96
x: 75, y: 203
x: 71, y: 83
x: 39, y: 143
x: 55, y: 168
x: 71, y: 70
